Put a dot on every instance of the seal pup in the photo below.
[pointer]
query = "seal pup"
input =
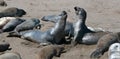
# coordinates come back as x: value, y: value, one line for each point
x: 10, y: 26
x: 4, y: 46
x: 48, y: 52
x: 82, y: 34
x: 3, y: 3
x: 12, y: 12
x: 10, y: 55
x: 26, y: 25
x: 104, y: 44
x: 54, y: 35
x: 114, y: 51
x: 5, y: 20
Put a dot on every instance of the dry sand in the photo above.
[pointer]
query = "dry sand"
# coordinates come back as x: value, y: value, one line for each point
x: 101, y: 13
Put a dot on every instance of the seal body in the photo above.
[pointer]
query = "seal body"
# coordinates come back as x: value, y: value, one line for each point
x: 48, y: 52
x: 10, y: 55
x: 104, y: 44
x: 12, y: 24
x: 5, y: 20
x: 114, y: 51
x: 12, y: 12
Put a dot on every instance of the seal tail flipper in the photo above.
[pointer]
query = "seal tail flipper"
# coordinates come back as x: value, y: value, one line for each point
x: 13, y: 34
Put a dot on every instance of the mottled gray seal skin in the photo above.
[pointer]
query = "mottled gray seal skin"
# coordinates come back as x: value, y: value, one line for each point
x: 48, y: 52
x: 104, y: 44
x: 4, y: 46
x: 26, y: 25
x: 10, y: 26
x: 114, y: 51
x: 55, y: 35
x: 3, y: 3
x: 81, y: 32
x: 69, y: 30
x: 12, y: 12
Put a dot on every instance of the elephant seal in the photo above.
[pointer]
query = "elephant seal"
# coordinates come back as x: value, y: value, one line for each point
x: 54, y: 18
x: 48, y: 52
x: 12, y: 12
x: 82, y: 34
x: 4, y: 46
x: 12, y: 24
x: 26, y: 25
x: 10, y: 55
x: 104, y: 44
x: 3, y: 3
x: 114, y: 51
x: 5, y: 20
x: 54, y: 35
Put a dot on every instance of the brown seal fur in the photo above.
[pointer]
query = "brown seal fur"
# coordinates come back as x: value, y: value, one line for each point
x: 48, y: 52
x: 104, y: 44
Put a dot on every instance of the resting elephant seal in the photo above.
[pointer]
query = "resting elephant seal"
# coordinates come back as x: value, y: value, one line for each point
x: 48, y: 52
x: 26, y: 25
x: 12, y: 12
x: 10, y: 26
x: 114, y: 51
x: 3, y: 3
x: 10, y: 55
x: 52, y: 36
x: 81, y: 32
x: 4, y: 46
x: 104, y: 44
x: 5, y: 20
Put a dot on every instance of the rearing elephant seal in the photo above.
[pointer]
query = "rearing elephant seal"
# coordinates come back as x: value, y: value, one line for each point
x: 12, y: 12
x: 81, y: 32
x: 54, y: 35
x: 104, y: 44
x: 26, y: 25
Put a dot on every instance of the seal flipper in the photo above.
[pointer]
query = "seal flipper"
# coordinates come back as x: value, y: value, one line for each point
x: 96, y: 54
x: 14, y: 34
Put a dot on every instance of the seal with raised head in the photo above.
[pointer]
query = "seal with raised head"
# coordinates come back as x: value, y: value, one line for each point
x: 48, y: 52
x: 104, y: 44
x: 54, y: 36
x: 12, y: 12
x: 81, y: 32
x: 10, y: 26
x: 3, y: 3
x: 114, y: 51
x: 26, y: 25
x: 5, y: 20
x: 10, y: 55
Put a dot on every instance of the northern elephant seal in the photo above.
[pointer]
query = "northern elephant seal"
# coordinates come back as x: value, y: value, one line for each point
x: 4, y: 46
x: 82, y: 34
x: 114, y: 51
x: 12, y: 12
x: 26, y: 25
x: 54, y: 35
x: 10, y: 55
x: 104, y: 44
x: 10, y: 26
x: 48, y: 52
x: 3, y: 3
x: 5, y: 20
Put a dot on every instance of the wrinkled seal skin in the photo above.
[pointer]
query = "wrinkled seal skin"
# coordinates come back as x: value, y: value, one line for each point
x: 81, y: 32
x: 12, y: 12
x: 10, y: 55
x: 104, y: 44
x: 114, y: 51
x: 68, y: 28
x: 5, y: 20
x: 4, y: 46
x: 3, y: 3
x: 48, y: 52
x: 26, y: 25
x: 10, y: 26
x: 55, y: 35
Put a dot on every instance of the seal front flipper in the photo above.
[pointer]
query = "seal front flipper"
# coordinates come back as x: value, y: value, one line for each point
x: 96, y: 54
